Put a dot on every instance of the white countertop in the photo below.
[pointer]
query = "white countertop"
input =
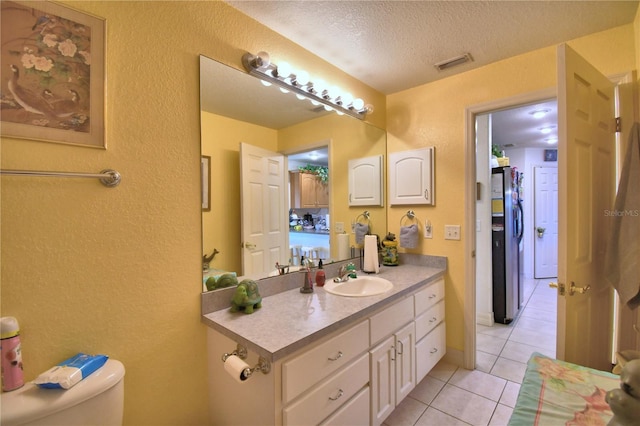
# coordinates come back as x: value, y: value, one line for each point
x: 290, y: 320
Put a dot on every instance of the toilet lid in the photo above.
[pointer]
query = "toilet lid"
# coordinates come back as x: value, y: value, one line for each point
x: 31, y: 402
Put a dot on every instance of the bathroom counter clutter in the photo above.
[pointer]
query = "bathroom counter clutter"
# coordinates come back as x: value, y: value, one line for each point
x: 290, y: 320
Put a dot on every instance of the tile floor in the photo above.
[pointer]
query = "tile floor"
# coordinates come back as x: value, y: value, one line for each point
x: 451, y: 395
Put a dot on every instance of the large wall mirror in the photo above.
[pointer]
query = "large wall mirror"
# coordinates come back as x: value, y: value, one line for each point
x: 237, y: 108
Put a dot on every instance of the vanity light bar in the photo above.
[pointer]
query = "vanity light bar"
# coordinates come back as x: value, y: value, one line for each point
x: 282, y: 76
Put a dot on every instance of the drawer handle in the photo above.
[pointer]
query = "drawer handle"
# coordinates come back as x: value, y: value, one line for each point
x: 340, y: 393
x: 340, y: 354
x: 401, y: 348
x: 432, y: 296
x: 433, y: 351
x: 433, y: 319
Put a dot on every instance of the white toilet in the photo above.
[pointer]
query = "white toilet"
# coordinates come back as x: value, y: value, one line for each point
x: 96, y: 400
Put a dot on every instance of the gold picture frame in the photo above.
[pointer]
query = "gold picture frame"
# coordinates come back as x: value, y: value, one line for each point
x: 52, y: 74
x: 205, y: 170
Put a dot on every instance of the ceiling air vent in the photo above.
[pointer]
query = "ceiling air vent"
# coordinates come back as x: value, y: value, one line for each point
x: 450, y: 63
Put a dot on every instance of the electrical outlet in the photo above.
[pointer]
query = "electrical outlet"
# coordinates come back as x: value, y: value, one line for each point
x: 339, y: 227
x: 428, y: 229
x: 452, y: 232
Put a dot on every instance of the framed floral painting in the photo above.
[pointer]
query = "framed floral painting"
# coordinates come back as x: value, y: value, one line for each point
x: 52, y: 73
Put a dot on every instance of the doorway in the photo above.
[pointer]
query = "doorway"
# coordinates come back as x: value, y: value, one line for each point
x: 487, y: 121
x: 309, y: 203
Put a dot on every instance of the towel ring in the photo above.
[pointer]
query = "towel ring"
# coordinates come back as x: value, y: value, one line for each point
x: 364, y: 215
x: 366, y: 219
x: 411, y: 216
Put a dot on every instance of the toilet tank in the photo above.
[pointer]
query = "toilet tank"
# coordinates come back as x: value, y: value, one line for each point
x: 96, y: 400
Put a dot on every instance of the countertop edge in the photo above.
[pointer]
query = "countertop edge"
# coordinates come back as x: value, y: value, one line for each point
x: 329, y: 329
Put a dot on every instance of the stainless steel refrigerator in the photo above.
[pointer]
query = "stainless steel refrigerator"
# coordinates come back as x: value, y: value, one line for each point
x: 506, y: 225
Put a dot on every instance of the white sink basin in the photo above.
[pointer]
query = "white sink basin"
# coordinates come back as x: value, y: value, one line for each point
x: 365, y: 285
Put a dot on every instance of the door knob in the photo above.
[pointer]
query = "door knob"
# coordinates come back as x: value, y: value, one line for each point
x: 559, y: 286
x: 572, y: 289
x: 582, y: 290
x: 249, y: 246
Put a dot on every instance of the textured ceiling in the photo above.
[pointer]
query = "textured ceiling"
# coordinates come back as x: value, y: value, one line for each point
x: 393, y: 45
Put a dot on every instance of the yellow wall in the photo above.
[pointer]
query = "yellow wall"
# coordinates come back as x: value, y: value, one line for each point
x: 348, y: 139
x: 221, y: 139
x: 117, y: 271
x: 434, y: 115
x: 636, y: 29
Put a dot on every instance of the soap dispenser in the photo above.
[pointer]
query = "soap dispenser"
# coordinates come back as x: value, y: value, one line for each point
x: 320, y: 275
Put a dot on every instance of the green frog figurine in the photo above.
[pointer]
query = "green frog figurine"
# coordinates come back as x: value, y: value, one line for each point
x: 246, y: 298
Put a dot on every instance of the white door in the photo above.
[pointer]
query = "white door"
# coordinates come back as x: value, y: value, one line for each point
x: 545, y: 232
x: 265, y: 227
x: 586, y: 187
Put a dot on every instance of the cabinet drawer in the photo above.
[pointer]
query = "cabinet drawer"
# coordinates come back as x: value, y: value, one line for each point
x: 429, y: 296
x: 354, y: 412
x: 329, y: 396
x: 305, y: 370
x: 391, y: 319
x: 427, y: 321
x: 429, y: 351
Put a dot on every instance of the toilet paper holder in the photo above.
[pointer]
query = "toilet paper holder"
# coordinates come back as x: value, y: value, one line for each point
x: 241, y: 352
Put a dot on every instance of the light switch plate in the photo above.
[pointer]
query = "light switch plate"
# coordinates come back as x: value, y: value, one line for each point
x: 339, y: 228
x: 452, y: 232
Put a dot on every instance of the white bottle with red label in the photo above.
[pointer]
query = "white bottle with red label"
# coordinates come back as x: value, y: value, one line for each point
x: 11, y: 352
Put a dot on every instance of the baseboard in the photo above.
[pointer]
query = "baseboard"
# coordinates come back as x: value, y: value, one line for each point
x: 454, y: 356
x: 484, y: 318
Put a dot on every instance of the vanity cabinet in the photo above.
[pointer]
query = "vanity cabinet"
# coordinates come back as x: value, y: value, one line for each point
x: 357, y: 375
x: 308, y: 191
x: 392, y: 372
x: 430, y: 328
x: 392, y: 361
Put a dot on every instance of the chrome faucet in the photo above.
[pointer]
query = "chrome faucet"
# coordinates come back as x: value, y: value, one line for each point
x: 305, y: 266
x: 343, y: 275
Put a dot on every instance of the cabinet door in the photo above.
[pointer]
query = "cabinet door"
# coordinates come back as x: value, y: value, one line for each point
x: 365, y: 181
x: 322, y: 194
x: 308, y: 196
x: 411, y: 177
x: 405, y: 362
x: 430, y: 350
x: 383, y: 381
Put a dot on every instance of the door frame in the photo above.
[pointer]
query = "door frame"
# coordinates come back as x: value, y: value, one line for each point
x: 469, y: 355
x: 319, y: 144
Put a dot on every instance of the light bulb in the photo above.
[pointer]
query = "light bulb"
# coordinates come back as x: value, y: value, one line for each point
x: 347, y: 99
x: 284, y: 70
x: 334, y: 92
x: 302, y: 78
x: 262, y: 60
x: 319, y: 87
x: 546, y: 130
x: 358, y: 104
